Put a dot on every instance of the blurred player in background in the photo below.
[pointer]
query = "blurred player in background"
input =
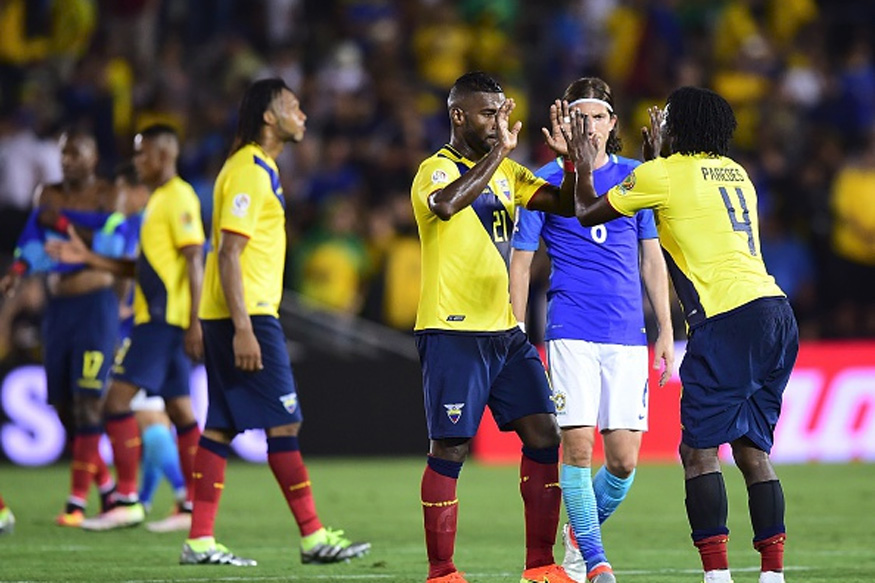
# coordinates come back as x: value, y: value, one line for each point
x: 7, y: 519
x: 248, y: 368
x: 596, y: 342
x: 80, y: 325
x: 472, y: 351
x: 166, y: 332
x: 743, y: 338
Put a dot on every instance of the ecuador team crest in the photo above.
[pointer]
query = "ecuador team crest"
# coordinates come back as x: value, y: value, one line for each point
x: 290, y: 402
x: 454, y: 411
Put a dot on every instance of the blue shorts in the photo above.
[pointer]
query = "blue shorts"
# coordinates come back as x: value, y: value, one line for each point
x: 464, y: 372
x: 79, y: 337
x: 153, y: 359
x: 734, y: 374
x: 241, y: 400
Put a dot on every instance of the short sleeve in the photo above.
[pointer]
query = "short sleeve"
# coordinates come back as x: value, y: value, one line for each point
x: 526, y: 184
x: 527, y: 231
x: 646, y: 224
x: 185, y: 222
x: 645, y: 187
x: 242, y: 196
x: 434, y: 174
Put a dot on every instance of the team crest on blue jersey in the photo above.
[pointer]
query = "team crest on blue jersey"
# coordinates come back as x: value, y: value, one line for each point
x: 628, y: 183
x: 504, y: 187
x: 454, y: 411
x: 290, y: 402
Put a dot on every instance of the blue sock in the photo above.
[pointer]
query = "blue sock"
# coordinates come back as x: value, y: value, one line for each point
x: 160, y: 456
x: 580, y: 503
x: 610, y: 491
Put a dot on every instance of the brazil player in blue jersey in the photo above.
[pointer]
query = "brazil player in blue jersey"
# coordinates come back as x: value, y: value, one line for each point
x: 596, y: 342
x: 81, y: 318
x: 473, y: 354
x: 249, y: 375
x: 742, y: 334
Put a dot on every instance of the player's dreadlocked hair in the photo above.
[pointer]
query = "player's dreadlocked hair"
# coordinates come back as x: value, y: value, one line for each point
x: 473, y: 82
x: 255, y: 102
x: 699, y: 121
x: 595, y: 88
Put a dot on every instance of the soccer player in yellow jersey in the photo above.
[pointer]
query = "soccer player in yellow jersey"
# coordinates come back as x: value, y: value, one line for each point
x: 472, y: 351
x: 742, y: 334
x: 166, y: 333
x: 248, y: 369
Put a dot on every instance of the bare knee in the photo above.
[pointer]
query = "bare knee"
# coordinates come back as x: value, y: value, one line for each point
x: 539, y: 431
x: 577, y: 444
x: 290, y: 430
x: 454, y: 450
x: 753, y: 462
x: 697, y: 461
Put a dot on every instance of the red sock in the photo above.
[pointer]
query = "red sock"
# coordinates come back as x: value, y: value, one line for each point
x: 539, y: 486
x: 712, y: 551
x: 186, y: 442
x: 291, y: 474
x: 209, y: 481
x: 84, y: 465
x: 771, y: 552
x: 2, y: 503
x: 124, y: 435
x: 440, y: 509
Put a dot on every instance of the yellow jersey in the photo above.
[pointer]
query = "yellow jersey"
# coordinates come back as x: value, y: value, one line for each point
x: 464, y: 284
x: 248, y: 200
x: 171, y: 221
x: 706, y: 215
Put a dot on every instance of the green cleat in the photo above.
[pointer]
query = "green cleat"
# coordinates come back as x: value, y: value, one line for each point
x: 7, y: 521
x: 208, y: 552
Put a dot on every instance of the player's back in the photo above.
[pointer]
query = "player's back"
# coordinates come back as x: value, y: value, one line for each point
x: 248, y: 201
x: 708, y: 224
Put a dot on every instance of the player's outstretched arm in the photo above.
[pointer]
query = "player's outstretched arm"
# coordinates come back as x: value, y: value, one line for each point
x: 589, y: 208
x: 76, y: 251
x: 651, y: 146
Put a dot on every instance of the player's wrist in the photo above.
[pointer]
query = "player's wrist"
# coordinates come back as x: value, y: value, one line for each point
x: 568, y: 165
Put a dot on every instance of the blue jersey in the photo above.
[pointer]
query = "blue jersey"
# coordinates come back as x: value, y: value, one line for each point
x: 595, y: 286
x: 119, y: 238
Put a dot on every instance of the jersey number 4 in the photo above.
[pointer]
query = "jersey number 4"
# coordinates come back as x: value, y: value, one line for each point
x: 744, y: 224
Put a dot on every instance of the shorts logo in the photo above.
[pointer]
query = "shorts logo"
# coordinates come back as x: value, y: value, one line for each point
x: 559, y: 399
x: 454, y: 411
x: 240, y: 205
x: 290, y: 402
x: 628, y: 183
x: 438, y: 177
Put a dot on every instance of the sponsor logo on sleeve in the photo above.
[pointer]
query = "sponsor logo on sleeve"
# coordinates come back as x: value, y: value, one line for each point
x: 439, y: 177
x: 240, y: 205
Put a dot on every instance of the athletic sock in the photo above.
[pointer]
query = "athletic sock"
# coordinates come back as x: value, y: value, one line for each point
x: 209, y: 481
x: 84, y: 465
x: 124, y: 435
x: 580, y: 503
x: 766, y: 505
x: 187, y: 440
x: 707, y: 511
x: 610, y: 491
x: 539, y: 487
x: 288, y: 468
x: 440, y: 510
x: 2, y: 503
x: 160, y: 458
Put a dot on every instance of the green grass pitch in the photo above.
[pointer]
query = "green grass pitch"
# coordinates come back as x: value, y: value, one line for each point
x: 830, y: 522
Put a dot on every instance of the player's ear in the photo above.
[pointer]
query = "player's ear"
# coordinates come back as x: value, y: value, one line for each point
x: 269, y: 116
x: 457, y: 116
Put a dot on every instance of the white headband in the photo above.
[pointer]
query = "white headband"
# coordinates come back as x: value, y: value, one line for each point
x: 592, y: 100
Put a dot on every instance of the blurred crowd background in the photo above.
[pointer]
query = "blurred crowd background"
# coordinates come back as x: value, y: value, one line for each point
x: 373, y: 77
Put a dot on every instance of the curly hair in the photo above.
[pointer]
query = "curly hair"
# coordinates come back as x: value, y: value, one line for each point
x: 699, y: 121
x: 595, y: 88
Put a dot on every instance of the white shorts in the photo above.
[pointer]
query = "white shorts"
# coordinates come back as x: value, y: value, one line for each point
x: 143, y: 402
x: 595, y: 384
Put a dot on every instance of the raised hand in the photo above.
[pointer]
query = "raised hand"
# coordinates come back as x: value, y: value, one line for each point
x: 73, y: 251
x: 583, y: 148
x: 559, y: 118
x: 507, y: 138
x: 652, y: 136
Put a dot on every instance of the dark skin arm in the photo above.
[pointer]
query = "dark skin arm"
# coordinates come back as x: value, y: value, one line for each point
x: 247, y: 351
x: 194, y: 340
x: 76, y: 251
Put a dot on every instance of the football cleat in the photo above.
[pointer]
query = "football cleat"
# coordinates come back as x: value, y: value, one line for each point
x: 209, y: 552
x: 174, y: 522
x: 573, y: 562
x: 332, y: 547
x: 120, y: 516
x: 72, y: 519
x: 601, y: 573
x: 454, y: 577
x: 7, y: 521
x: 546, y: 574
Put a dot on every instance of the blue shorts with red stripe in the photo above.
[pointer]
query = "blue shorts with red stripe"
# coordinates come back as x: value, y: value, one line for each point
x: 734, y: 374
x: 241, y: 400
x: 462, y: 373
